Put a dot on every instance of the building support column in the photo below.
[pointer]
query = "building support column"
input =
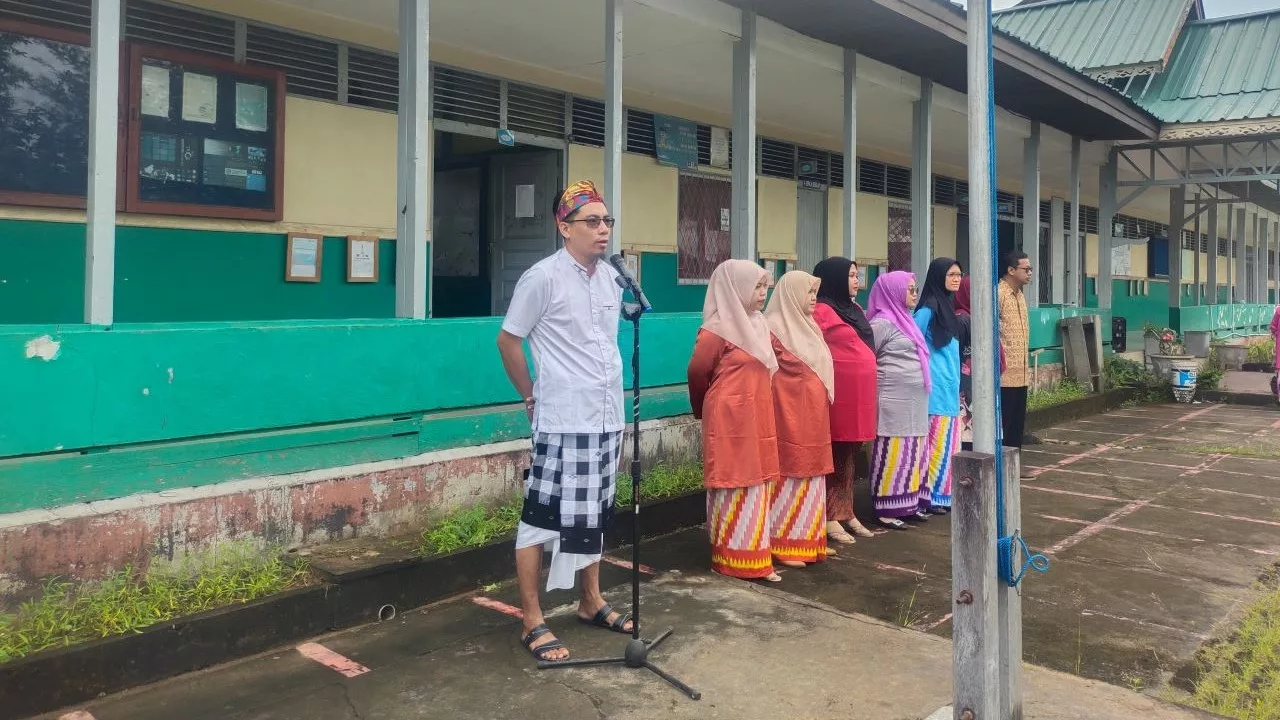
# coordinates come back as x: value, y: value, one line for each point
x: 922, y: 181
x: 1275, y: 237
x: 850, y: 189
x: 1242, y: 282
x: 1075, y: 258
x: 1106, y: 218
x: 744, y: 140
x: 413, y: 222
x: 100, y: 213
x: 1177, y: 219
x: 1031, y: 208
x: 1196, y: 297
x: 1251, y: 226
x: 1212, y: 281
x: 1057, y: 251
x: 1231, y: 257
x: 613, y: 114
x: 1263, y: 263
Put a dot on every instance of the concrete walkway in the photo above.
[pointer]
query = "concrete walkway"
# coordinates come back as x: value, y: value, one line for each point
x: 1156, y: 520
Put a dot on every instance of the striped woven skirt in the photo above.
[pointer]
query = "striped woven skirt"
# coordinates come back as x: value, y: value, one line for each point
x: 944, y: 441
x: 738, y: 522
x: 896, y: 470
x: 798, y: 519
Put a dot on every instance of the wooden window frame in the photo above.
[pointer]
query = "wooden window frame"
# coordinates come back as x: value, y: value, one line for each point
x: 133, y: 201
x: 58, y: 200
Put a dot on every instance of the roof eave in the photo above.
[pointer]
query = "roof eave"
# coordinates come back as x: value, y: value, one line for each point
x: 1220, y: 130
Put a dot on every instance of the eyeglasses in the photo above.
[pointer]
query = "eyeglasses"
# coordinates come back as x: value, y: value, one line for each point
x: 911, y: 289
x: 955, y: 275
x: 593, y: 222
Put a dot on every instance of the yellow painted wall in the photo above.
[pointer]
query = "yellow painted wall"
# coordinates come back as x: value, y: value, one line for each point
x: 835, y: 222
x: 776, y: 218
x: 652, y: 190
x: 944, y: 231
x: 1091, y: 254
x: 873, y: 228
x: 339, y: 166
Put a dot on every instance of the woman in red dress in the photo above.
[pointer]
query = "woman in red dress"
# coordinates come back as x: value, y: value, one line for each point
x: 853, y: 412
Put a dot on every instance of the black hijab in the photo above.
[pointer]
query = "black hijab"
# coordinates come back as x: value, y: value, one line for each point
x: 834, y: 292
x: 943, y: 325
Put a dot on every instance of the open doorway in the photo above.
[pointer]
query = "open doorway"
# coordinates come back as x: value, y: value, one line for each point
x: 492, y: 220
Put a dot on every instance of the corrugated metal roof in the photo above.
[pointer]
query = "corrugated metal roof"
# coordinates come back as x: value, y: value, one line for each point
x: 1221, y: 70
x: 1093, y: 36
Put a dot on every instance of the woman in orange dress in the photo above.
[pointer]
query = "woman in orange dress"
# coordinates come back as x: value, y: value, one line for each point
x: 729, y: 390
x: 803, y: 389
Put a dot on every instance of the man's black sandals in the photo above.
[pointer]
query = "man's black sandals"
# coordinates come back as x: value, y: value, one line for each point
x: 542, y: 651
x: 601, y: 620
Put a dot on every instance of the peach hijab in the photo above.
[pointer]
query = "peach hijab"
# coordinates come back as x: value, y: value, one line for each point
x: 791, y: 322
x: 724, y: 312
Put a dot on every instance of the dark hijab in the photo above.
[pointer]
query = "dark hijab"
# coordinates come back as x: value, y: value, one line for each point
x: 834, y: 292
x: 943, y: 325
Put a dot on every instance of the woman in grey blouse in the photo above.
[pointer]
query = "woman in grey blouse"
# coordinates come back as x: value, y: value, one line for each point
x: 903, y: 384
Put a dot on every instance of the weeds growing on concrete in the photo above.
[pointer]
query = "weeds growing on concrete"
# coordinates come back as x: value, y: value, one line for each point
x: 1240, y: 678
x: 481, y: 524
x: 1062, y: 392
x: 1121, y: 372
x: 128, y: 601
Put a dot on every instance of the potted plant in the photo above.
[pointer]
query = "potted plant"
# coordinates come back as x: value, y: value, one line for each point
x: 1173, y: 362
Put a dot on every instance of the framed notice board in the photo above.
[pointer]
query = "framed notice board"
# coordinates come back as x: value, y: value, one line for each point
x: 205, y: 136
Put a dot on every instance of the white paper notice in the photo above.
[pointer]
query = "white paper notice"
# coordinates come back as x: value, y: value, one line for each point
x: 719, y: 147
x: 155, y: 91
x: 304, y: 257
x: 362, y: 259
x: 199, y: 98
x: 524, y: 201
x: 724, y: 219
x: 1120, y: 257
x: 251, y: 107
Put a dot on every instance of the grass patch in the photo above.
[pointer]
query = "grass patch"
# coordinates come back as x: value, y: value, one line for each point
x: 1121, y: 372
x: 1238, y: 450
x: 482, y: 524
x: 1240, y: 678
x: 128, y: 602
x: 1062, y: 392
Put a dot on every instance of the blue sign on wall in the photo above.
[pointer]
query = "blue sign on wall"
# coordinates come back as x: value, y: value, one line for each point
x: 676, y: 141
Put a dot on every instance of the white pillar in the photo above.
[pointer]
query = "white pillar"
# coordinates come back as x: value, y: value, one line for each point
x: 922, y: 181
x: 1212, y: 280
x: 413, y: 222
x: 1057, y: 251
x: 1031, y: 209
x: 1177, y: 219
x: 1195, y: 256
x: 1075, y: 265
x: 1263, y: 261
x: 613, y: 115
x: 744, y: 140
x: 100, y: 215
x: 850, y: 194
x: 1242, y: 252
x: 1106, y: 217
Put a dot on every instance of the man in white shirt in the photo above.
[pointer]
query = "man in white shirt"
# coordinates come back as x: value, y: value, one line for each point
x: 567, y: 306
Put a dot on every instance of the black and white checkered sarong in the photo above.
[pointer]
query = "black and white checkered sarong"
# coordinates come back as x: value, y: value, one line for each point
x: 570, y: 487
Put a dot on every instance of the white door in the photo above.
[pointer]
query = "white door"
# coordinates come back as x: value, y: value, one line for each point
x: 811, y: 228
x: 523, y: 187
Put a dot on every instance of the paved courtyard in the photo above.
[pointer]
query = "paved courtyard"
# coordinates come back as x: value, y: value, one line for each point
x: 1158, y: 520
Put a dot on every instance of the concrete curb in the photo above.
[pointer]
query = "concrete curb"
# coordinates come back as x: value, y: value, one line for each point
x: 1239, y: 398
x: 62, y: 677
x: 1076, y: 409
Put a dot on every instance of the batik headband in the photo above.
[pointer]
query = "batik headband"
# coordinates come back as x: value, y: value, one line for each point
x: 575, y: 196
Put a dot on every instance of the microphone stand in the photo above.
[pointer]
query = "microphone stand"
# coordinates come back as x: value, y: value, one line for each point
x: 636, y: 653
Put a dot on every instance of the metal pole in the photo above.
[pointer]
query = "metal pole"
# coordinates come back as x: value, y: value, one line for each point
x: 613, y: 114
x: 1213, y: 253
x: 100, y: 215
x: 1058, y: 262
x: 850, y: 153
x: 1031, y: 209
x: 981, y: 230
x: 922, y: 180
x: 744, y: 140
x: 414, y: 181
x: 1106, y: 218
x: 1075, y: 265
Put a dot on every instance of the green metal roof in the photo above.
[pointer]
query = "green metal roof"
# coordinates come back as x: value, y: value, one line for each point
x: 1221, y: 70
x: 1099, y: 37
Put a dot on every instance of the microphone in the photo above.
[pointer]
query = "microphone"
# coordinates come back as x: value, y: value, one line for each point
x: 627, y: 282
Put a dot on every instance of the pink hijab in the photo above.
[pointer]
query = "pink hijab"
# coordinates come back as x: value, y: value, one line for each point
x: 888, y: 300
x: 724, y: 312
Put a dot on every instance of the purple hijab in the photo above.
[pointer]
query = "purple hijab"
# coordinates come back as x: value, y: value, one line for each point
x: 889, y: 301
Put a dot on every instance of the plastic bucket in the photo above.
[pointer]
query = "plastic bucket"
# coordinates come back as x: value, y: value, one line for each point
x: 1183, y: 376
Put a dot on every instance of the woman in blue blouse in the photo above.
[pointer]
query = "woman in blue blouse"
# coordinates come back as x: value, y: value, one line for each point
x: 935, y: 315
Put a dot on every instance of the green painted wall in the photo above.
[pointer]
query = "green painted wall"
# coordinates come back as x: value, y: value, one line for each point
x: 168, y: 275
x: 658, y: 277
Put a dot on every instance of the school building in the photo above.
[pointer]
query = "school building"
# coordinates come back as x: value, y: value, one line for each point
x: 253, y: 252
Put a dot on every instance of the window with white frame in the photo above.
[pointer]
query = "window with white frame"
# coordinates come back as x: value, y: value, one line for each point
x: 703, y: 233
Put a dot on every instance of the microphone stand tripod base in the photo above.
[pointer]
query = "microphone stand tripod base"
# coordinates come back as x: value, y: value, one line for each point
x: 635, y: 656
